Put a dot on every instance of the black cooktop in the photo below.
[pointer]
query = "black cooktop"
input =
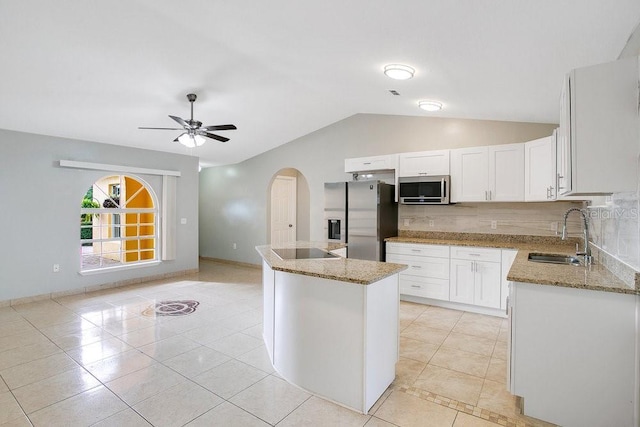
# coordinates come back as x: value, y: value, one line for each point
x: 303, y: 253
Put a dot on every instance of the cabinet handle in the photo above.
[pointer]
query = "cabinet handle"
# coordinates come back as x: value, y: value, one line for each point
x: 423, y: 173
x: 474, y: 254
x: 416, y: 250
x: 471, y: 265
x: 416, y: 286
x: 366, y: 163
x: 486, y: 197
x: 416, y: 266
x: 506, y: 310
x: 551, y: 192
x: 548, y: 192
x: 490, y: 196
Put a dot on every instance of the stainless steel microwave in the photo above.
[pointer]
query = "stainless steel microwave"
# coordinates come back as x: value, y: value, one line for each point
x: 425, y: 190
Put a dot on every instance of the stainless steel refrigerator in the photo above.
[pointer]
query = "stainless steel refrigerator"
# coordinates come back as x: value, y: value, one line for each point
x: 361, y: 214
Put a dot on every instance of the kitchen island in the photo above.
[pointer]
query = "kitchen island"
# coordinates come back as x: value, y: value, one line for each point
x: 331, y: 325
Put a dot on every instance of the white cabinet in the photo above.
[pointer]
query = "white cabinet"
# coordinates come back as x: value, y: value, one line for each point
x: 424, y: 163
x: 563, y: 144
x: 508, y: 256
x: 469, y: 275
x: 599, y: 129
x: 469, y: 174
x: 573, y: 354
x: 506, y: 173
x: 476, y: 276
x: 427, y: 274
x: 540, y: 169
x: 372, y: 163
x: 494, y: 173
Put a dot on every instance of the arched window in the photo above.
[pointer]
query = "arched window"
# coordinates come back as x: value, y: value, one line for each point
x: 118, y: 224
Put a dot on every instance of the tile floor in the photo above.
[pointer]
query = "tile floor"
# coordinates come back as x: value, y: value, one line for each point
x: 95, y: 359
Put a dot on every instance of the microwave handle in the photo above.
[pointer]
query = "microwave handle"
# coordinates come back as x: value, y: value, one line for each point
x: 442, y: 188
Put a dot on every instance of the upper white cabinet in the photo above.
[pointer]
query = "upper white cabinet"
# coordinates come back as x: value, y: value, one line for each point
x: 372, y: 163
x: 540, y: 169
x: 424, y: 163
x: 494, y: 173
x: 599, y: 129
x: 506, y: 173
x: 469, y: 174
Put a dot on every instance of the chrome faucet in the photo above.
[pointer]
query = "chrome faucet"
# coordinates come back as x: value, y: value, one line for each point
x: 586, y: 253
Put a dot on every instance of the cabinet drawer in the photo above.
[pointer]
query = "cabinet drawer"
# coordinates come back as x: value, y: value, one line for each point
x: 418, y: 249
x: 425, y: 288
x: 437, y: 268
x: 476, y: 254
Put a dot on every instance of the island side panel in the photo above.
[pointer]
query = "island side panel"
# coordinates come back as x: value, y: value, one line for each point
x: 268, y: 287
x: 319, y: 336
x: 574, y: 357
x: 382, y: 337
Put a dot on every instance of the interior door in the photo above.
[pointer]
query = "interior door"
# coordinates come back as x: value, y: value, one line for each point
x: 283, y: 210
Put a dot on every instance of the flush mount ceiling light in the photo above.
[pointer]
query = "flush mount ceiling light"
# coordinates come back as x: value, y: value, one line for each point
x: 399, y: 71
x: 430, y: 105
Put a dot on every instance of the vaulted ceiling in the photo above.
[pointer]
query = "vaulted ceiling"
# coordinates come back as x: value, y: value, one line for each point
x: 278, y: 70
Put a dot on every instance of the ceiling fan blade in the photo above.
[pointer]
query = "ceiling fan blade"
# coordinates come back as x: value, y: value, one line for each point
x: 181, y: 121
x: 214, y: 136
x: 176, y: 140
x: 219, y: 127
x: 161, y: 128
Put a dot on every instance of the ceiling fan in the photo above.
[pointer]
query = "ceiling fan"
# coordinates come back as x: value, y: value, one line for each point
x: 194, y: 131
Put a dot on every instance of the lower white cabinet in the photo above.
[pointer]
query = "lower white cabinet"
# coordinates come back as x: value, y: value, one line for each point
x: 508, y: 256
x: 460, y: 274
x: 427, y: 274
x: 572, y: 354
x: 476, y: 282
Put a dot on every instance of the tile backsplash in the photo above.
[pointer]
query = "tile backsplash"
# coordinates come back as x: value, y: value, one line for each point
x: 616, y: 227
x: 537, y: 219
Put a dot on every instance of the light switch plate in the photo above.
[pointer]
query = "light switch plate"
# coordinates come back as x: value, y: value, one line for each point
x: 183, y: 221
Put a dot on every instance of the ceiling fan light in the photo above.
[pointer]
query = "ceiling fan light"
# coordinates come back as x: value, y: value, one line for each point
x: 430, y: 105
x: 399, y: 71
x: 199, y: 140
x: 187, y: 140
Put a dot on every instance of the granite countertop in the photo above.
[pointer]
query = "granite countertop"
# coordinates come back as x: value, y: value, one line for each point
x: 342, y: 269
x: 594, y: 277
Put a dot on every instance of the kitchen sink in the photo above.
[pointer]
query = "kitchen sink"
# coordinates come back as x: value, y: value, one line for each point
x: 554, y: 259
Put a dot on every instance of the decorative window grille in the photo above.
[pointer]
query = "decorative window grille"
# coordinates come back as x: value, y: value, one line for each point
x: 124, y: 228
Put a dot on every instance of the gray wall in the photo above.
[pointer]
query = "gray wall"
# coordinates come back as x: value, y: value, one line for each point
x: 40, y: 214
x: 233, y: 198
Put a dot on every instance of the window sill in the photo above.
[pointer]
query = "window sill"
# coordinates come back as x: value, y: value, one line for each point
x: 119, y: 268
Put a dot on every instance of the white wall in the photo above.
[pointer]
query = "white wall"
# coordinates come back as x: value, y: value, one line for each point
x: 233, y: 199
x: 40, y: 213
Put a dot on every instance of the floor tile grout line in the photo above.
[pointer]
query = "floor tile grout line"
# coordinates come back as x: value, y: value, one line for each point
x: 515, y: 421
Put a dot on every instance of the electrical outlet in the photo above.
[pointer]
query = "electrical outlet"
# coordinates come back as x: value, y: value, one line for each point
x: 56, y: 268
x: 431, y: 223
x: 183, y: 221
x: 235, y: 246
x: 494, y: 225
x: 406, y: 222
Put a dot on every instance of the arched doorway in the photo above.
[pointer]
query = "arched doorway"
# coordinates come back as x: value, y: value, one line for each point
x: 288, y: 207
